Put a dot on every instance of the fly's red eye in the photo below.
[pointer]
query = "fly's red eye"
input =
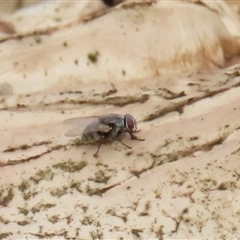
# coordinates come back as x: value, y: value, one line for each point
x: 130, y: 122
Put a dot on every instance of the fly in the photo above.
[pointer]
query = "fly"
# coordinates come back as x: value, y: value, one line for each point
x: 102, y: 129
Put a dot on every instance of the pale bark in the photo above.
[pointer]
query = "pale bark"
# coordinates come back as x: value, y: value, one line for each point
x: 168, y: 64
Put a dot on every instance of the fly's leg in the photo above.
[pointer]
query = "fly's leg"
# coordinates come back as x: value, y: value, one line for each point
x: 124, y: 144
x: 96, y: 153
x: 133, y: 137
x: 135, y: 131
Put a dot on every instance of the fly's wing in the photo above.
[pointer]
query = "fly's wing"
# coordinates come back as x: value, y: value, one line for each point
x: 85, y: 125
x: 80, y: 123
x: 86, y: 120
x: 97, y: 127
x: 81, y: 120
x: 76, y: 131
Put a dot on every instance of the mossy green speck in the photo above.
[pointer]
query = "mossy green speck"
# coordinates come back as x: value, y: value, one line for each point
x: 6, y: 196
x: 93, y: 57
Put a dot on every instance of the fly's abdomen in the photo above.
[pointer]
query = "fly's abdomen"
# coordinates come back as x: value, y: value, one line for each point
x: 90, y: 137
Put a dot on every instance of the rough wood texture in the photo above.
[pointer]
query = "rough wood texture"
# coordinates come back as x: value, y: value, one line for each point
x: 176, y: 78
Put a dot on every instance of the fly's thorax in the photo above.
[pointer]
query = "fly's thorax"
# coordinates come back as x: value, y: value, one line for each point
x: 113, y: 120
x: 116, y: 130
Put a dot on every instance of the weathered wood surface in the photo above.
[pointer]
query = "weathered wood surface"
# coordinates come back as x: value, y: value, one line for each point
x: 182, y: 182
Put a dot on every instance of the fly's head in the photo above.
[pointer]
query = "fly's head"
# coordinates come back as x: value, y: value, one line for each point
x: 130, y: 123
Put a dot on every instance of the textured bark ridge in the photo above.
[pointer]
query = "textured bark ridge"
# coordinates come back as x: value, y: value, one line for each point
x: 85, y: 59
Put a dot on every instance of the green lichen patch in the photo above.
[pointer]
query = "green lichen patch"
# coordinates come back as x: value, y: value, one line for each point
x: 47, y: 175
x: 70, y: 166
x: 28, y: 194
x: 23, y: 186
x: 113, y: 212
x: 96, y: 234
x: 6, y: 196
x: 228, y: 185
x: 5, y: 235
x: 3, y: 220
x: 87, y: 220
x: 101, y: 177
x: 136, y: 232
x: 92, y: 191
x: 208, y: 184
x: 23, y: 211
x: 58, y: 192
x: 50, y: 235
x: 23, y: 223
x: 76, y: 185
x: 147, y: 206
x: 42, y: 207
x: 53, y: 218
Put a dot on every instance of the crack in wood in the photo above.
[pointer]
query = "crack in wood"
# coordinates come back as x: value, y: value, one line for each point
x: 101, y: 191
x: 47, y: 31
x: 25, y: 146
x: 177, y: 219
x: 179, y: 106
x: 164, y: 93
x: 16, y: 162
x: 118, y: 101
x: 180, y: 154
